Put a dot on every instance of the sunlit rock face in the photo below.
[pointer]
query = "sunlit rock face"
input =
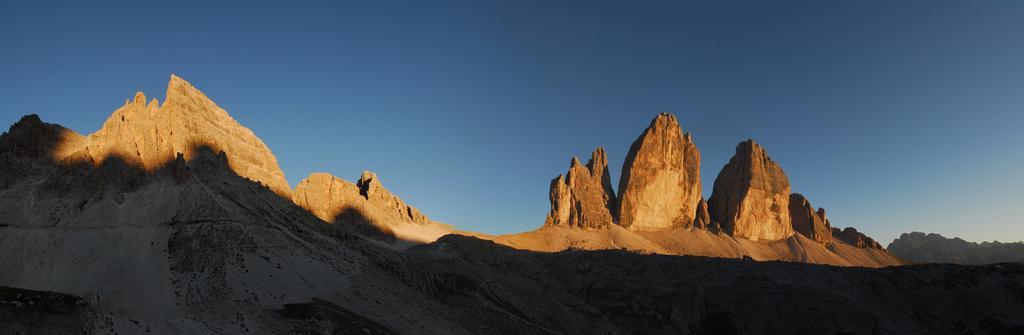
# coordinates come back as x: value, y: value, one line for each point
x: 660, y: 184
x: 808, y: 222
x: 584, y: 197
x: 336, y: 200
x: 751, y: 196
x: 150, y: 135
x: 389, y: 204
x: 326, y: 196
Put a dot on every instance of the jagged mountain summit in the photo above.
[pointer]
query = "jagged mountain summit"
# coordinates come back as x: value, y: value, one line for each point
x: 751, y: 196
x: 808, y: 222
x: 660, y: 183
x: 584, y: 197
x: 365, y: 204
x: 150, y: 135
x: 96, y: 238
x: 751, y: 212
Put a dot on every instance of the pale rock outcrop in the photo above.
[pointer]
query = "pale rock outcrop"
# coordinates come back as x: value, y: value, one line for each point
x: 751, y: 196
x: 390, y: 205
x: 328, y: 197
x: 583, y: 198
x: 144, y: 135
x: 660, y: 184
x: 336, y: 200
x: 806, y: 221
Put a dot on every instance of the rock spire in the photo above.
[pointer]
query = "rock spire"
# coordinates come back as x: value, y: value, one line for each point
x: 807, y: 222
x: 660, y: 185
x: 148, y: 136
x: 584, y: 197
x: 751, y: 196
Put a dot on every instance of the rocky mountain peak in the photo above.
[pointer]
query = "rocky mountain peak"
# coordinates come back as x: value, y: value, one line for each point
x: 660, y: 185
x: 178, y: 87
x: 806, y: 221
x: 598, y: 160
x: 140, y: 98
x: 751, y: 196
x: 584, y: 198
x: 363, y: 204
x: 598, y: 166
x: 574, y: 162
x: 149, y: 135
x: 31, y: 137
x: 919, y: 247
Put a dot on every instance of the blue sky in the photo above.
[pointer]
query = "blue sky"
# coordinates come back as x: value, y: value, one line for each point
x: 894, y: 116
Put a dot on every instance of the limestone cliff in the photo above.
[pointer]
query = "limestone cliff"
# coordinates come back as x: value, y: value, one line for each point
x: 364, y: 204
x: 806, y: 221
x: 583, y: 198
x: 751, y: 196
x: 388, y: 204
x: 150, y: 135
x: 660, y: 184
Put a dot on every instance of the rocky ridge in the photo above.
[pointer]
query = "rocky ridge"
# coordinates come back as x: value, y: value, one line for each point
x: 365, y: 204
x: 584, y: 197
x: 808, y: 222
x: 29, y: 143
x: 919, y: 247
x: 142, y: 137
x: 150, y: 135
x: 659, y: 193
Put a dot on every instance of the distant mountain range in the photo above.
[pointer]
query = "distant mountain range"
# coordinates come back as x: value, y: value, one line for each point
x: 919, y: 247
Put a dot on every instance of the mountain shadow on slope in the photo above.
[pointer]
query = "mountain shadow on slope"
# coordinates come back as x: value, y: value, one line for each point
x: 29, y: 150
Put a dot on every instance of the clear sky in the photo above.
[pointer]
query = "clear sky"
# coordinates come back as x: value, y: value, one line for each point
x: 895, y: 116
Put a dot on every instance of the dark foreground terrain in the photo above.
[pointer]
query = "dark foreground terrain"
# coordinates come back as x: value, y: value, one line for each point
x: 480, y: 287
